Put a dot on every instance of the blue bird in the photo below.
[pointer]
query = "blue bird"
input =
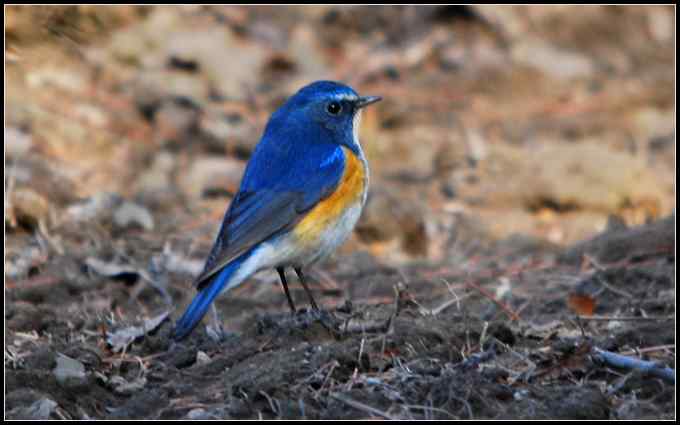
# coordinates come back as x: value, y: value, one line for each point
x: 300, y: 196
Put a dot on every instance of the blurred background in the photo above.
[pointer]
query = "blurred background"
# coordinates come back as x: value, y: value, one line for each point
x: 508, y: 137
x: 127, y: 128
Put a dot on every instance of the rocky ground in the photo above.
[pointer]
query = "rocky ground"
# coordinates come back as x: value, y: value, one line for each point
x: 520, y: 222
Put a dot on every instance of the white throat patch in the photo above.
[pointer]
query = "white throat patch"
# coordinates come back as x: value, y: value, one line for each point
x: 356, y: 123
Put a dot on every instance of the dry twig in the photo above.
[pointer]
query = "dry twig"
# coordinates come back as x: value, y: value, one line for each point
x: 630, y: 363
x: 500, y: 304
x: 361, y: 406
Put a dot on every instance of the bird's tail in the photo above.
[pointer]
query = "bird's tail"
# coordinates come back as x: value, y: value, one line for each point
x: 199, y: 306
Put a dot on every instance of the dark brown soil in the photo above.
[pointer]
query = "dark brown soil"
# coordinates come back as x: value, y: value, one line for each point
x: 398, y: 359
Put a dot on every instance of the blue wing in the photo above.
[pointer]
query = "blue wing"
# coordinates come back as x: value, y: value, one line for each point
x: 281, y: 183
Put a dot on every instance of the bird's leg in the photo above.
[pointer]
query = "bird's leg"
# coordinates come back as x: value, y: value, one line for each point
x: 217, y: 331
x: 298, y: 270
x: 282, y: 275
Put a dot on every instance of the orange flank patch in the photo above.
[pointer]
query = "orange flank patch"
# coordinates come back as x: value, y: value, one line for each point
x: 348, y: 192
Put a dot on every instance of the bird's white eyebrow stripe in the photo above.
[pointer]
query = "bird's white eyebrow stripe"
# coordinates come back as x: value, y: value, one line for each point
x: 346, y: 96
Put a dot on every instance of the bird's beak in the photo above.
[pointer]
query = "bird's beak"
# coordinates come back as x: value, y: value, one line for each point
x: 367, y: 100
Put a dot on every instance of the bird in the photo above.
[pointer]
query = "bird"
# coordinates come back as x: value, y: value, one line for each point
x: 300, y: 196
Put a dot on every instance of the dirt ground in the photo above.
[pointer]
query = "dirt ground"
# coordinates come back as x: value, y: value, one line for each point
x: 439, y: 349
x: 520, y: 221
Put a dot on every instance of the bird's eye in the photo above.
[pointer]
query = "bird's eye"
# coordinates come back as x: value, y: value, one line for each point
x: 334, y: 108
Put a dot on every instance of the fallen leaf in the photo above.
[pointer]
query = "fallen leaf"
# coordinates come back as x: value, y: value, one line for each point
x: 121, y: 338
x: 582, y: 304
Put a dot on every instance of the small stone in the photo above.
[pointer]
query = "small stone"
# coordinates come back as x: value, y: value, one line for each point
x: 130, y: 214
x: 202, y: 358
x: 38, y: 410
x: 125, y: 387
x: 70, y: 373
x: 95, y: 207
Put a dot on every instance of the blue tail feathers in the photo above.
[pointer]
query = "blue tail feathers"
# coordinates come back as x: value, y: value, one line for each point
x: 199, y: 306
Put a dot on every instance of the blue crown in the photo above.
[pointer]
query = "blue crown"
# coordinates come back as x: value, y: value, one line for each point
x: 323, y: 89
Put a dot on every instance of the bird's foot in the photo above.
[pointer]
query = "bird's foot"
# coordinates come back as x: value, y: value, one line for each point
x: 215, y: 332
x: 306, y: 317
x: 305, y: 311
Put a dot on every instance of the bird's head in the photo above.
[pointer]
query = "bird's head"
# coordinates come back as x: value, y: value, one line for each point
x: 332, y: 109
